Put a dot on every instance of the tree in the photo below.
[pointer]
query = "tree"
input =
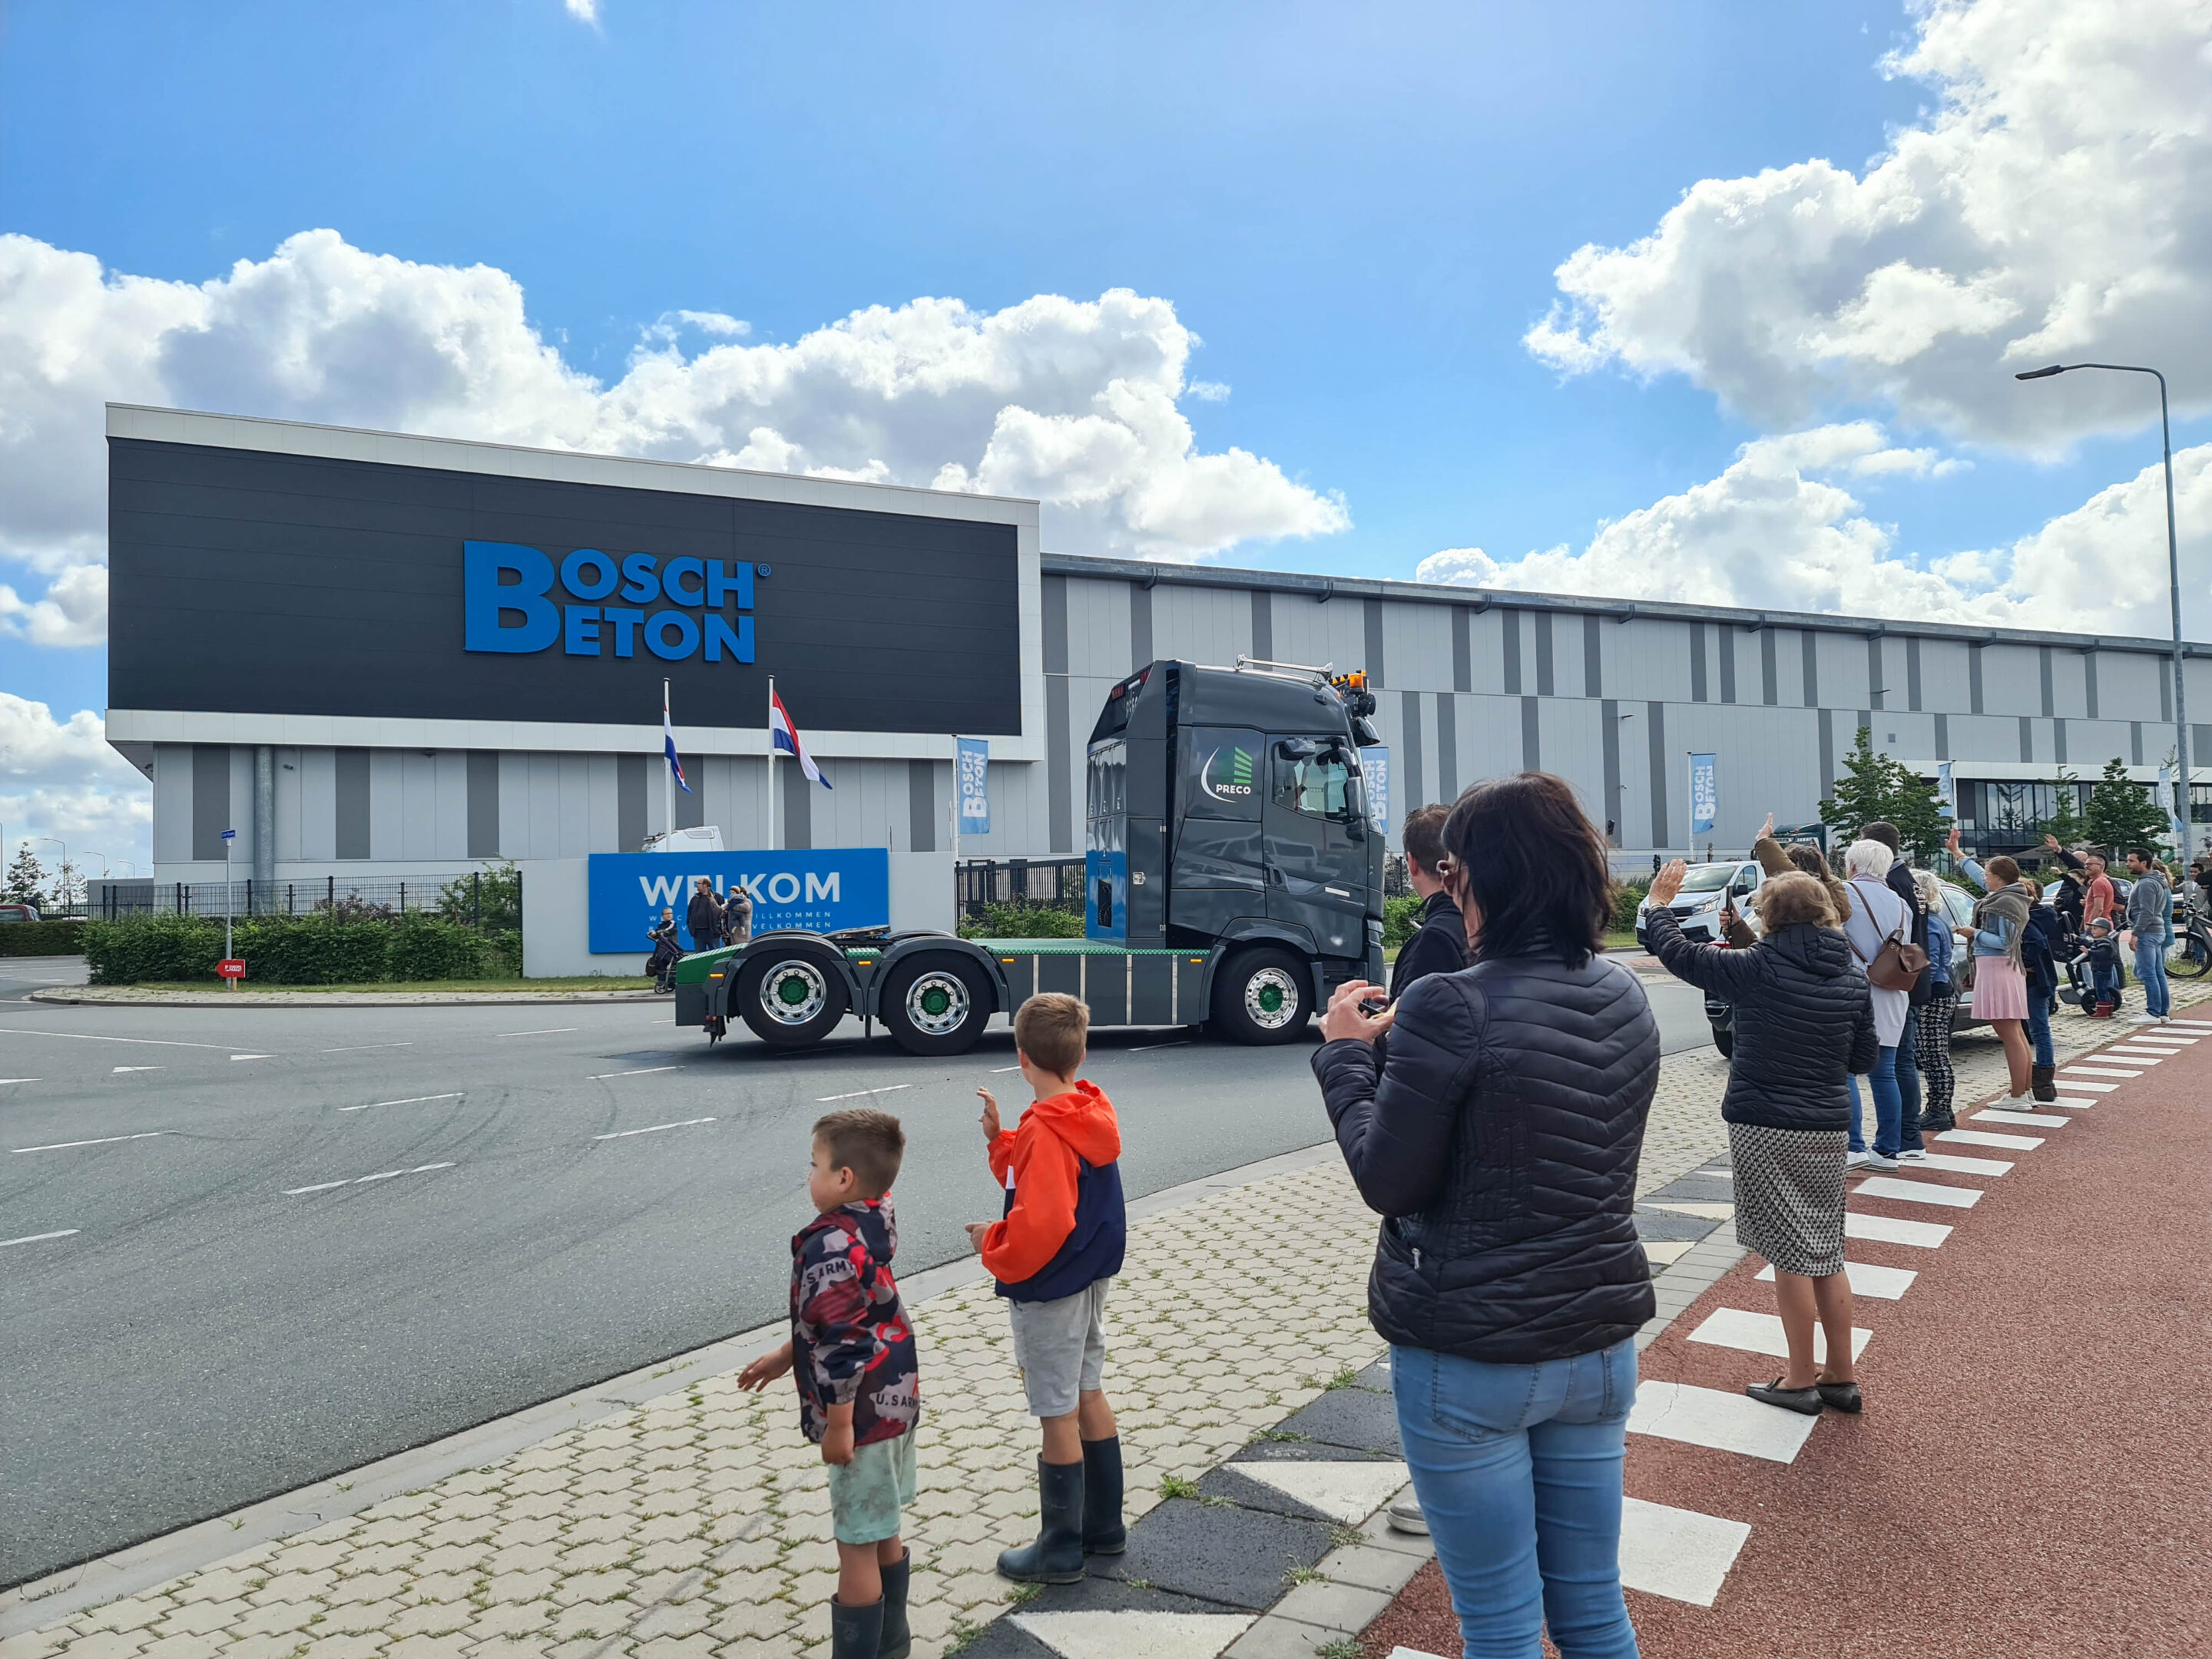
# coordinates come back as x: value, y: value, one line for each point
x: 2066, y: 821
x: 1917, y: 809
x: 27, y: 879
x: 1877, y: 787
x: 2123, y: 813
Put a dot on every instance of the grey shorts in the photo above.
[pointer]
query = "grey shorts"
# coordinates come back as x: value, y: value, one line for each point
x: 866, y: 1494
x: 1060, y: 1346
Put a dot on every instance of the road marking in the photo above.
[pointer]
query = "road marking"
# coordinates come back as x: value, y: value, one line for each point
x: 598, y: 1076
x: 1888, y: 1229
x: 363, y: 1181
x: 1677, y: 1553
x: 2042, y: 1119
x: 351, y: 1048
x: 1985, y: 1137
x: 1348, y: 1493
x: 1146, y: 1048
x: 1761, y: 1333
x: 1886, y: 1284
x: 995, y: 1070
x: 1918, y: 1192
x: 411, y: 1100
x: 87, y: 1037
x: 138, y: 1068
x: 550, y: 1030
x: 621, y: 1134
x: 40, y: 1238
x: 858, y: 1093
x: 105, y: 1140
x: 1707, y: 1416
x: 18, y: 1079
x: 2097, y: 1071
x: 1980, y: 1166
x: 2079, y: 1080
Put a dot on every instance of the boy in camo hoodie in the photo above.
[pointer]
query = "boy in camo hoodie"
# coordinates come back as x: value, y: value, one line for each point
x: 852, y: 1351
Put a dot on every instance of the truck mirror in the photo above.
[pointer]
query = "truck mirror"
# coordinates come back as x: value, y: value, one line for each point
x: 1355, y: 829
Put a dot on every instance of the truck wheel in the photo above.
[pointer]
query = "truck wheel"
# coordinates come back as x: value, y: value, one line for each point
x: 1263, y: 997
x: 937, y: 1006
x: 792, y: 1000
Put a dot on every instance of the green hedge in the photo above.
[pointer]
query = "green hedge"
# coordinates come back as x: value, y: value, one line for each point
x: 40, y: 938
x: 1022, y: 921
x: 1626, y: 895
x: 296, y: 950
x: 1400, y: 916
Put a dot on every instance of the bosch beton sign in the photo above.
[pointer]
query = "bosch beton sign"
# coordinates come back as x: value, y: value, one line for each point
x: 677, y: 609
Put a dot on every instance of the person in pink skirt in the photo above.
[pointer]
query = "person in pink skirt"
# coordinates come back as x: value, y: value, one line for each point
x: 2000, y: 993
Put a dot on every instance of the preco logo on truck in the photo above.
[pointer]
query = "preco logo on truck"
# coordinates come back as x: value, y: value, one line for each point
x: 1227, y: 775
x: 504, y: 581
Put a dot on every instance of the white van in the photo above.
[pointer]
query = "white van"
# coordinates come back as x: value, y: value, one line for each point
x: 1706, y: 891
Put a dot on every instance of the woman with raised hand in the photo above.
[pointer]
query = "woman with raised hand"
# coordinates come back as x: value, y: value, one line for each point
x: 1498, y: 1139
x: 2000, y: 994
x: 1804, y: 1022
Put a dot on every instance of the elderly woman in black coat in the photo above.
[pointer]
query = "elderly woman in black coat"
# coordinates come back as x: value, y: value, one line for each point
x: 1804, y: 1021
x: 1498, y: 1139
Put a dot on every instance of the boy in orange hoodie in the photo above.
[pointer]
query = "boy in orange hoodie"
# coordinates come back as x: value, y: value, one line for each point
x: 1054, y: 1254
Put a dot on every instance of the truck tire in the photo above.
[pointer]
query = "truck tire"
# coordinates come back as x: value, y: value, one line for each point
x: 936, y: 1005
x: 791, y: 999
x: 1262, y: 997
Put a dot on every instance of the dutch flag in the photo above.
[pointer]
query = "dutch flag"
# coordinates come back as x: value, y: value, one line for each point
x: 668, y: 744
x: 785, y: 736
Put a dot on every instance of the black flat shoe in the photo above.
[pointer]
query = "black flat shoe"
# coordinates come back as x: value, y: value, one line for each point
x: 1840, y: 1396
x: 1805, y: 1400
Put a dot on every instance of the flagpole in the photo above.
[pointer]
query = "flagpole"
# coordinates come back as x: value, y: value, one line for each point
x: 667, y: 774
x: 771, y: 762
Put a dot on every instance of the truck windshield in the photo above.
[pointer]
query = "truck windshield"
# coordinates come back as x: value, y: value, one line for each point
x: 1319, y: 786
x: 1704, y: 877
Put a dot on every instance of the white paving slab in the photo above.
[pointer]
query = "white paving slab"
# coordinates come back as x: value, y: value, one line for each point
x: 1761, y: 1333
x: 2081, y: 1083
x: 1991, y: 1138
x: 1349, y: 1492
x: 1724, y: 1421
x: 2097, y: 1071
x: 2044, y: 1119
x: 1892, y: 1230
x: 2191, y: 1025
x: 1884, y: 1284
x: 1980, y: 1166
x: 1130, y: 1634
x: 1668, y: 1251
x: 1411, y: 1653
x: 2071, y: 1102
x: 1918, y: 1192
x: 2135, y: 1056
x: 1677, y: 1553
x: 1703, y: 1210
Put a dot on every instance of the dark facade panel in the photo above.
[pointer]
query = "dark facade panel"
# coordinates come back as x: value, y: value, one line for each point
x: 1410, y: 765
x: 1545, y: 686
x: 338, y: 583
x: 1510, y: 650
x: 1263, y: 624
x: 921, y: 805
x: 1054, y: 590
x: 352, y: 802
x: 1697, y: 663
x: 629, y: 802
x: 483, y: 804
x: 1371, y: 618
x: 1592, y: 657
x: 1447, y: 747
x: 210, y: 800
x: 1462, y: 649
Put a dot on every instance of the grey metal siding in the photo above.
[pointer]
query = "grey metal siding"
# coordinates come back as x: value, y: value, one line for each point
x: 1609, y: 734
x: 1532, y: 744
x: 210, y: 800
x: 1052, y: 593
x: 1263, y: 626
x: 1510, y: 650
x: 353, y: 804
x: 1660, y: 836
x: 1370, y: 616
x: 1062, y: 779
x: 921, y: 805
x: 1544, y: 646
x: 1593, y: 659
x: 483, y: 804
x: 1462, y: 649
x: 1448, y: 746
x: 1409, y: 721
x: 629, y: 802
x: 1769, y: 687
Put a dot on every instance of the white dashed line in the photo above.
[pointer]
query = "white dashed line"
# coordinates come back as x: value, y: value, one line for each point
x: 105, y: 1140
x: 858, y: 1094
x: 40, y: 1238
x: 411, y: 1100
x: 363, y: 1181
x: 655, y: 1129
x: 995, y: 1070
x: 87, y: 1037
x: 18, y: 1079
x: 550, y: 1030
x: 642, y: 1071
x: 357, y: 1047
x: 120, y: 1069
x: 1146, y: 1048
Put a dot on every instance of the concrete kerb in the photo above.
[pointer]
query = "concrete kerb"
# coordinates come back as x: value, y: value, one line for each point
x: 123, y: 996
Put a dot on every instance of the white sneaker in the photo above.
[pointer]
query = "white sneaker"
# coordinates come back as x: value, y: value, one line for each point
x: 1876, y: 1161
x: 2015, y: 1103
x: 1857, y: 1160
x: 2142, y: 1019
x: 1913, y: 1155
x: 1406, y: 1516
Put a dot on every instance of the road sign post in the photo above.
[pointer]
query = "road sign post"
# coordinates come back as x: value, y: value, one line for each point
x: 228, y: 837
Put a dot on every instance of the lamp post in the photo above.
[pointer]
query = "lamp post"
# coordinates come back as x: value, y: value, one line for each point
x: 2186, y: 814
x: 65, y: 876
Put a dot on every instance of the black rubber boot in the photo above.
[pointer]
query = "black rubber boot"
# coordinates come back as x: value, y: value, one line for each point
x: 2044, y: 1082
x: 1057, y: 1558
x: 897, y: 1641
x: 855, y: 1633
x: 1104, y: 1533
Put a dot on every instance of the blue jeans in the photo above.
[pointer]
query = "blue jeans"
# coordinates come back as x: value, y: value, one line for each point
x: 1888, y: 1108
x: 2150, y: 968
x: 1908, y: 1083
x: 2039, y: 1023
x: 1518, y: 1471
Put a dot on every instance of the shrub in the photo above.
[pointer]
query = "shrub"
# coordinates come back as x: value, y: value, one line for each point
x: 429, y: 947
x: 313, y: 950
x: 1400, y: 916
x: 503, y: 953
x: 1019, y: 920
x: 133, y: 949
x: 1626, y: 895
x: 41, y: 939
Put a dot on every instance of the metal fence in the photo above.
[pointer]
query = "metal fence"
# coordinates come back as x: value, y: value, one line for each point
x: 1048, y: 883
x: 460, y: 896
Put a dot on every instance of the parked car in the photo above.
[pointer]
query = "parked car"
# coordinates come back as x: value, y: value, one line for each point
x: 1705, y: 889
x: 19, y: 913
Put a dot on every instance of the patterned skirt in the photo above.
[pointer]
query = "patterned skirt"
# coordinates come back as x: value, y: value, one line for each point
x: 1789, y: 1196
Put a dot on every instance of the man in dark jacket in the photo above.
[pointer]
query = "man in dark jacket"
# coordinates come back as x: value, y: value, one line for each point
x: 1439, y: 943
x: 702, y: 917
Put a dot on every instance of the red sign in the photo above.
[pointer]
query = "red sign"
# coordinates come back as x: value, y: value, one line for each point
x: 231, y: 968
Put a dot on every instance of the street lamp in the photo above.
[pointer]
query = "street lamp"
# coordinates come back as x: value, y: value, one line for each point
x: 2187, y: 813
x: 63, y: 845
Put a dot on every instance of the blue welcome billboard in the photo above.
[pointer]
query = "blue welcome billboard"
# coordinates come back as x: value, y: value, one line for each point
x: 824, y: 890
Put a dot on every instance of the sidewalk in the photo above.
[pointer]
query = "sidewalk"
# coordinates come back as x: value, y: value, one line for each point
x: 2028, y: 1476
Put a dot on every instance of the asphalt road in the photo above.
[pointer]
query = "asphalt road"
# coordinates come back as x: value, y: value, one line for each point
x: 293, y: 1241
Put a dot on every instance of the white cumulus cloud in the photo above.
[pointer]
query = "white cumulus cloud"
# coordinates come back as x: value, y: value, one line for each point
x: 59, y: 778
x: 1780, y: 529
x: 1074, y: 402
x: 2056, y: 204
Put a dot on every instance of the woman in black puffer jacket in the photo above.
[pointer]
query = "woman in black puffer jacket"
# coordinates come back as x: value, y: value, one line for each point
x: 1499, y: 1141
x: 1804, y: 1020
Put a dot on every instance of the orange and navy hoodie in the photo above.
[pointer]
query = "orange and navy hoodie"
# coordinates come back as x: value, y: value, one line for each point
x: 1065, y: 1226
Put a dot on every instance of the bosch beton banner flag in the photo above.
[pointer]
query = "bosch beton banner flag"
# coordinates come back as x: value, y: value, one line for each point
x: 973, y: 771
x: 1705, y: 793
x: 824, y: 890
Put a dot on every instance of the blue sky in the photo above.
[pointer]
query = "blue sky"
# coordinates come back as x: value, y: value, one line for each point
x: 1359, y: 211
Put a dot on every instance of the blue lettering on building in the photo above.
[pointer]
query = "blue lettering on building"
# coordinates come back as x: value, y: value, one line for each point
x: 822, y: 889
x: 673, y: 610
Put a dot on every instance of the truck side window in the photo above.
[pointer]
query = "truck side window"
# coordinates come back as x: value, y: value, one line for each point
x: 1317, y: 785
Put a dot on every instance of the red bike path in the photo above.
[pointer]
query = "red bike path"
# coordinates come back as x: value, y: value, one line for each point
x: 2033, y: 1474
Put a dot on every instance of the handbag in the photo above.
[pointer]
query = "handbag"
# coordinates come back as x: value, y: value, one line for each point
x: 1900, y: 963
